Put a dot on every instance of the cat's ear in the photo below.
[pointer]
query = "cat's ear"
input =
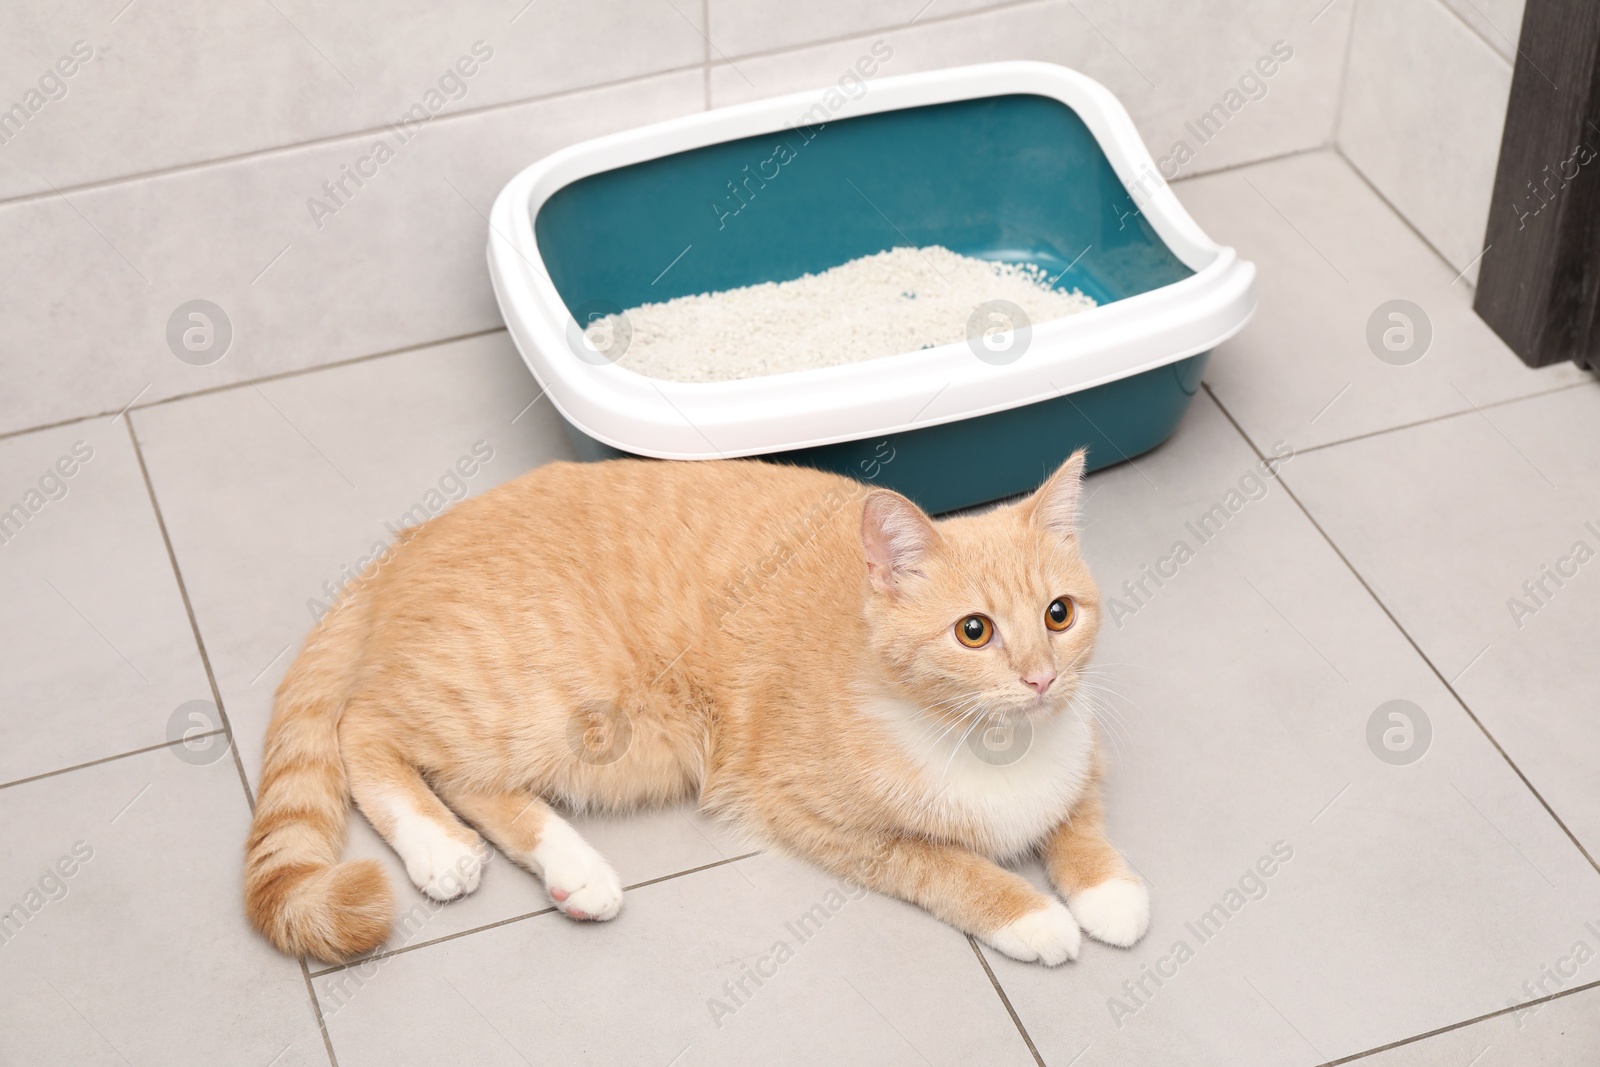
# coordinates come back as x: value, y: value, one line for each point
x: 1055, y: 506
x: 896, y: 536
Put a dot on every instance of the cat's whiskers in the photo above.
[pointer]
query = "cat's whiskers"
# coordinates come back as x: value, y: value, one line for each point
x: 1110, y: 697
x: 1107, y: 718
x: 1101, y: 675
x: 954, y: 706
x: 961, y: 715
x: 963, y: 710
x: 1108, y: 734
x: 945, y: 707
x: 983, y: 714
x: 1098, y: 676
x: 955, y: 748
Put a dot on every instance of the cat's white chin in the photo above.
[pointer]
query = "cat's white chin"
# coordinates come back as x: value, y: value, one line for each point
x: 1049, y: 936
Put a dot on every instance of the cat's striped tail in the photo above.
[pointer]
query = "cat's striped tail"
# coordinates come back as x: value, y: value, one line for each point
x: 296, y: 891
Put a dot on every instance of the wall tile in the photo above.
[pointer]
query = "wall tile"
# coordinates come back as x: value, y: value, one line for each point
x: 187, y: 81
x: 92, y: 278
x: 739, y: 27
x: 1498, y: 22
x: 1424, y: 107
x: 1169, y: 67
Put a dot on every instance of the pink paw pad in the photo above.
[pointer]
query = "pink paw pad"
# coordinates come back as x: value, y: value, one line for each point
x: 576, y: 914
x: 558, y: 895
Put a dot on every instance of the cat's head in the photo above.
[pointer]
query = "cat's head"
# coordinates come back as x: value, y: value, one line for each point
x: 993, y: 613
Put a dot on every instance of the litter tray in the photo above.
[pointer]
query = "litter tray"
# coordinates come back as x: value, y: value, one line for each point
x: 1017, y: 162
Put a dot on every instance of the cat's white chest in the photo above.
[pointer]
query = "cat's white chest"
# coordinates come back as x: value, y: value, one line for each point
x: 1002, y: 788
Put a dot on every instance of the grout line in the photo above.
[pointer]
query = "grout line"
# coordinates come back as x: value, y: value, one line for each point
x: 1344, y: 76
x: 57, y: 425
x: 316, y: 1009
x: 194, y: 626
x: 321, y: 367
x: 1457, y: 1026
x: 1451, y: 689
x: 371, y: 131
x: 1511, y: 62
x: 519, y: 918
x: 1403, y: 217
x: 1228, y: 168
x: 107, y: 759
x: 1441, y: 418
x: 856, y: 35
x: 279, y: 376
x: 335, y: 138
x: 976, y: 951
x: 379, y: 957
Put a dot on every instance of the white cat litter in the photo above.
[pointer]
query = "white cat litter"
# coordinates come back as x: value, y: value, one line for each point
x: 897, y: 301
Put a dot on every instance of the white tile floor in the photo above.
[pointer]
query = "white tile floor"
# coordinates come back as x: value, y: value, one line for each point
x: 1421, y: 906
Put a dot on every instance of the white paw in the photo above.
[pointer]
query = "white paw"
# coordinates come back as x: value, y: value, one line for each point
x: 440, y: 865
x: 578, y: 878
x: 1116, y: 911
x: 1049, y: 935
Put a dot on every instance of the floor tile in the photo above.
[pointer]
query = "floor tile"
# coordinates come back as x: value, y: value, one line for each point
x: 98, y: 278
x: 1424, y: 124
x: 134, y: 948
x: 1561, y: 1033
x: 1170, y: 78
x: 99, y: 654
x: 273, y: 493
x: 191, y: 81
x: 643, y: 846
x: 865, y: 980
x: 1396, y: 901
x: 1447, y: 521
x: 1330, y: 254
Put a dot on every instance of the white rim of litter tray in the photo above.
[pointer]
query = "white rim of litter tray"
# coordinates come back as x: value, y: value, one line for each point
x: 877, y: 397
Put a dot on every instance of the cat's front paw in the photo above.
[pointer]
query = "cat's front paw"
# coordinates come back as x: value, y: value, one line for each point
x: 1049, y: 935
x: 578, y: 878
x: 597, y: 898
x: 1117, y: 911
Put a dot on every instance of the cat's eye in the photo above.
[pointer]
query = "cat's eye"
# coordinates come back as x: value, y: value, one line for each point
x: 1059, y: 615
x: 974, y: 631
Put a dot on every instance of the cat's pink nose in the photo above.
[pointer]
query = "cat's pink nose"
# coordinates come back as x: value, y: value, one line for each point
x: 1039, y: 681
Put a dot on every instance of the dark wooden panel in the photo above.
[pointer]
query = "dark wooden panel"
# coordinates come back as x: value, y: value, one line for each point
x: 1539, y: 281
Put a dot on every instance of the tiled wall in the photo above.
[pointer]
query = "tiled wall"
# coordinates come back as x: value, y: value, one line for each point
x: 180, y: 159
x: 1424, y: 106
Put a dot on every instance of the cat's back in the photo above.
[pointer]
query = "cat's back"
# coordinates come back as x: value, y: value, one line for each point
x: 629, y: 523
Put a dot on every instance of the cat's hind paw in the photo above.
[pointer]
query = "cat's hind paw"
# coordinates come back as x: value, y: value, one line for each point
x: 440, y: 865
x: 1049, y: 936
x: 1117, y: 911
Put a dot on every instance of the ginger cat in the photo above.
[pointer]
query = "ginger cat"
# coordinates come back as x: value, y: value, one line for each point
x: 816, y: 660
